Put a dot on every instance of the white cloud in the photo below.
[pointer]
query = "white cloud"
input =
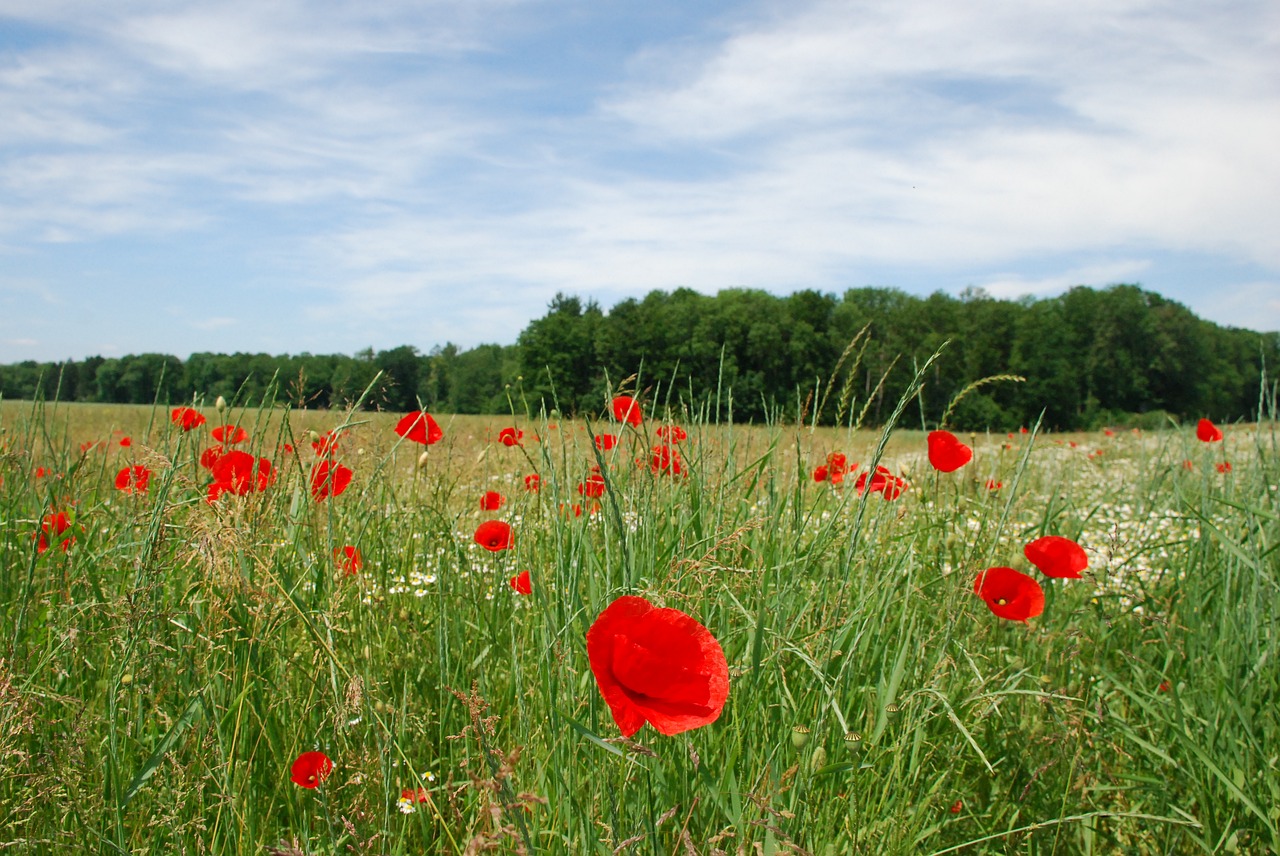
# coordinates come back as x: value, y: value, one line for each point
x: 1011, y: 286
x: 1252, y: 305
x: 379, y: 164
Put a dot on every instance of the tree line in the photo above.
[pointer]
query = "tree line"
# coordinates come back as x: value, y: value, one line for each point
x: 1089, y: 357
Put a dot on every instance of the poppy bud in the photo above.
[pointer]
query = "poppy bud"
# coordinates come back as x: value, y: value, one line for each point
x: 126, y: 679
x: 424, y: 459
x: 221, y: 404
x: 799, y: 736
x: 818, y: 759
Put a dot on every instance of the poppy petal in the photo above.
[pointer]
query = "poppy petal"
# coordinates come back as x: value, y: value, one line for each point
x: 657, y: 665
x: 1056, y: 556
x: 946, y: 453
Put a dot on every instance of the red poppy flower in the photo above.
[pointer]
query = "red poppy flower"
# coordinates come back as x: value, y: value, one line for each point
x: 820, y: 473
x: 494, y: 535
x: 240, y: 473
x: 419, y: 427
x: 1108, y: 432
x: 510, y: 436
x: 230, y: 434
x: 533, y: 482
x: 1207, y: 432
x: 672, y: 433
x: 491, y: 501
x: 133, y: 479
x: 882, y: 481
x: 310, y: 769
x: 43, y: 472
x: 520, y: 582
x: 329, y: 478
x: 1224, y: 467
x: 1056, y: 556
x: 837, y: 462
x: 1187, y: 465
x: 186, y: 418
x: 666, y: 460
x: 593, y: 487
x: 126, y: 442
x: 411, y: 796
x: 946, y: 452
x: 658, y: 666
x: 605, y: 442
x: 1164, y: 687
x: 627, y: 409
x: 210, y: 456
x: 326, y: 445
x: 994, y: 485
x: 957, y: 806
x: 87, y: 447
x: 348, y: 559
x: 1010, y: 594
x: 53, y: 525
x: 575, y: 509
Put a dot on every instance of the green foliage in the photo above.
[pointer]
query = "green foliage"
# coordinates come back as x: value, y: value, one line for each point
x: 1090, y: 358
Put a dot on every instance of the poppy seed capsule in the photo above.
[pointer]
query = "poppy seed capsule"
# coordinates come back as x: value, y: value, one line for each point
x: 818, y: 759
x: 852, y: 741
x: 799, y: 737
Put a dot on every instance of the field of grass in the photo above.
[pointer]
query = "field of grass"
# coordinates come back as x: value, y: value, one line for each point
x: 160, y: 676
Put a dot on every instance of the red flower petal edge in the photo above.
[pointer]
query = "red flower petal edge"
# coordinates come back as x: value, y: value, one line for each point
x: 419, y: 427
x: 521, y: 583
x: 310, y: 769
x: 1010, y: 594
x: 946, y: 452
x: 1207, y: 432
x: 627, y: 409
x: 658, y: 666
x: 494, y: 535
x: 1056, y: 556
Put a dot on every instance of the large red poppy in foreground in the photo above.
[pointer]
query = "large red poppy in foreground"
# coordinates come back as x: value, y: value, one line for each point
x: 1009, y: 593
x: 946, y: 452
x: 419, y: 427
x: 658, y: 666
x: 1056, y: 556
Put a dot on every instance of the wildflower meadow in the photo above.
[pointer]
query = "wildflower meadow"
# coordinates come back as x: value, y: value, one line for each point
x: 243, y: 628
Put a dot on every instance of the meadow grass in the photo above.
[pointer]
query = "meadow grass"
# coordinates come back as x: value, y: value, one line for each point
x: 158, y: 678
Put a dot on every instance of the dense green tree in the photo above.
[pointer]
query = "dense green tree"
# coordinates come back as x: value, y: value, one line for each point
x: 1089, y: 356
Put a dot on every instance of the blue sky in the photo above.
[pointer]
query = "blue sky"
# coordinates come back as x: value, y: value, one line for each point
x: 280, y: 176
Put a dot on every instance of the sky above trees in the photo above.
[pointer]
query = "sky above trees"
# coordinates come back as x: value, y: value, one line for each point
x: 324, y: 177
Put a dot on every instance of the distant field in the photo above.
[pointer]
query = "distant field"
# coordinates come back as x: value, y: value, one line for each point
x: 166, y: 678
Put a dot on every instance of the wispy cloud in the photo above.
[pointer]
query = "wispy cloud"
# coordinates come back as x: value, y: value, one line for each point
x: 440, y: 170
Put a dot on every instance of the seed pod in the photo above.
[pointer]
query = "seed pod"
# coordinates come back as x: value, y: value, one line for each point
x: 800, y: 736
x: 818, y: 759
x: 852, y: 741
